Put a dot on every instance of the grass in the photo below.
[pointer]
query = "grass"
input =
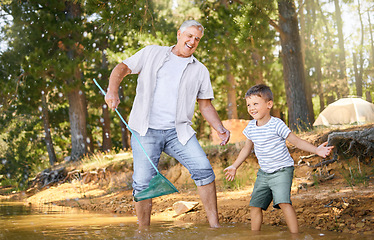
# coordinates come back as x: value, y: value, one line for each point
x: 245, y: 176
x: 101, y: 160
x: 355, y: 173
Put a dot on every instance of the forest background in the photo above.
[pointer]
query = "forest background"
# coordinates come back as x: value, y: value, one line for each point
x: 51, y: 111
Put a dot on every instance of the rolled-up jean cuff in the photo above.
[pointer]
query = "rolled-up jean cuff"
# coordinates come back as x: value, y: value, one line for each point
x: 206, y: 181
x: 135, y: 192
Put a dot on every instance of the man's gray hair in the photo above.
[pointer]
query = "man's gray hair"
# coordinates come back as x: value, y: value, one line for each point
x: 191, y: 23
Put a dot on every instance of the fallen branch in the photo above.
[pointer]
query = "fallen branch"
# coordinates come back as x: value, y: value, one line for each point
x: 359, y: 143
x: 324, y: 163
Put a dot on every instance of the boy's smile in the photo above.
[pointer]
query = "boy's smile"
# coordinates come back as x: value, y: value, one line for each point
x: 259, y: 109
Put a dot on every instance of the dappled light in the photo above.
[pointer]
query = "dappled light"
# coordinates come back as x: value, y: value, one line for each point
x: 66, y: 160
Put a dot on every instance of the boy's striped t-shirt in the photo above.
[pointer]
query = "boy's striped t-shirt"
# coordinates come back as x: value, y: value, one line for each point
x: 269, y: 143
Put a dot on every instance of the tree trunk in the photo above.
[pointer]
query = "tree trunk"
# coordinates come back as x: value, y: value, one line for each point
x: 320, y: 84
x: 293, y: 68
x: 371, y: 40
x: 257, y: 72
x: 124, y: 130
x: 359, y: 80
x: 307, y: 82
x: 330, y: 99
x: 77, y: 116
x: 368, y: 96
x: 342, y: 86
x: 90, y: 142
x: 371, y: 64
x: 232, y: 111
x: 107, y: 140
x: 47, y: 130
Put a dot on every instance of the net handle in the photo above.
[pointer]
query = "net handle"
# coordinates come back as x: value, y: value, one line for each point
x: 120, y: 116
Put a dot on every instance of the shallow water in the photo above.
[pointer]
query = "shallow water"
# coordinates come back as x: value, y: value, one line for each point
x: 18, y: 221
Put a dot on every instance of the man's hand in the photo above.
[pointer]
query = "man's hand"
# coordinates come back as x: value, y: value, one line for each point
x: 230, y: 173
x: 116, y: 76
x: 224, y: 135
x: 112, y: 100
x: 324, y: 151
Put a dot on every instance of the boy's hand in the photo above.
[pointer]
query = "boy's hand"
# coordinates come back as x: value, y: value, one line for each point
x: 324, y: 151
x: 230, y: 173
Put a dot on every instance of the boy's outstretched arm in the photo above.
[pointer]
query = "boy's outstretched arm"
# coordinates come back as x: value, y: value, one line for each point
x: 244, y: 153
x: 322, y: 150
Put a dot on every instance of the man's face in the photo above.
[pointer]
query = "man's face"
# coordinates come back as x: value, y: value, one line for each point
x: 188, y: 41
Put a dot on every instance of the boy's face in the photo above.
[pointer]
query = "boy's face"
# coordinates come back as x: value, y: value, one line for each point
x: 259, y: 108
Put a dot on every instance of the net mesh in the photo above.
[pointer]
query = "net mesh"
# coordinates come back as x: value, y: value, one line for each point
x: 158, y: 186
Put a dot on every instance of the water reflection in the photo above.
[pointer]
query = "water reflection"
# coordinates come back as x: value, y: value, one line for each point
x: 18, y: 221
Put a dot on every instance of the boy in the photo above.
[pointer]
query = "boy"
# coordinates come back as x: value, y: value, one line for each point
x: 267, y: 134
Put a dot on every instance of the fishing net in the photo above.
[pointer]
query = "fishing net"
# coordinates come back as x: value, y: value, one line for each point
x: 158, y: 186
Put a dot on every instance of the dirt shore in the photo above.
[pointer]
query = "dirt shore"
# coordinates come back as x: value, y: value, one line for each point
x: 338, y: 197
x: 329, y: 206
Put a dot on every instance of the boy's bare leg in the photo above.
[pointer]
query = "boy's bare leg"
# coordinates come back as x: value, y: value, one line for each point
x: 256, y: 218
x: 143, y: 212
x: 209, y: 198
x: 290, y: 216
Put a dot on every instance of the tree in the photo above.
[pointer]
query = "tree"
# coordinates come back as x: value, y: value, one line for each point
x: 293, y: 68
x: 47, y: 130
x: 305, y: 36
x: 259, y: 40
x: 113, y: 28
x: 31, y: 71
x: 342, y: 86
x: 77, y: 106
x: 371, y: 65
x: 220, y: 36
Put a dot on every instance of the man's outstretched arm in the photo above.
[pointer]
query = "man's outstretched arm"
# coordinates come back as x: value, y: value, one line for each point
x: 210, y: 114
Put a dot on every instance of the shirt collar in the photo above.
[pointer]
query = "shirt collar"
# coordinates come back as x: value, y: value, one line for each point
x: 191, y: 58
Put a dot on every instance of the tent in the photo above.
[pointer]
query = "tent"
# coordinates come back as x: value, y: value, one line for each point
x: 346, y: 111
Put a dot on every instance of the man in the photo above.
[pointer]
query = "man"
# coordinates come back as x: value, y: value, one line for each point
x: 169, y: 82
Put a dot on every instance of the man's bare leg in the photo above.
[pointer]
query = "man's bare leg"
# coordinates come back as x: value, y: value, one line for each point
x: 209, y: 198
x: 143, y: 212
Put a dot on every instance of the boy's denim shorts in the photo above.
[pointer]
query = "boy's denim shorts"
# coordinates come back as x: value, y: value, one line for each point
x: 191, y: 156
x: 274, y: 187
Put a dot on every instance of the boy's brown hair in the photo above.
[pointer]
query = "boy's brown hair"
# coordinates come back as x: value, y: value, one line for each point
x: 260, y: 90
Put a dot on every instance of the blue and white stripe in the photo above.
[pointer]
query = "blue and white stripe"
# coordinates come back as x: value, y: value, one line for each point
x: 270, y: 144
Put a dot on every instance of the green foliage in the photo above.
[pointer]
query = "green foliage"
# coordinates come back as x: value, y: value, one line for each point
x: 50, y: 51
x: 25, y: 154
x: 239, y: 40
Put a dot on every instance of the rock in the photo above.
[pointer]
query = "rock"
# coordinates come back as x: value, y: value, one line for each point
x: 183, y: 207
x: 299, y: 210
x: 360, y: 225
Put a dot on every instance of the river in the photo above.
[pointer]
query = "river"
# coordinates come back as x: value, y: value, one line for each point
x: 19, y: 221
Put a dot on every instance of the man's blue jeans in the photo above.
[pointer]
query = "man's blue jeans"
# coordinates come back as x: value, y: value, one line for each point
x: 191, y: 156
